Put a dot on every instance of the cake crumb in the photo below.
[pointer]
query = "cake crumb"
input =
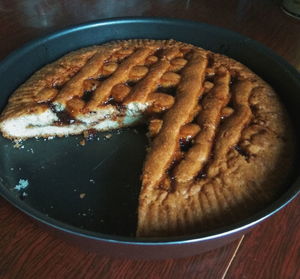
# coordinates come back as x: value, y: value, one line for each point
x: 108, y: 136
x: 82, y: 142
x: 89, y: 134
x: 82, y: 195
x: 85, y: 134
x: 23, y: 183
x: 18, y: 144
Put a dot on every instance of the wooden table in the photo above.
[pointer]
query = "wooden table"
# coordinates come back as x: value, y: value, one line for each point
x: 271, y: 250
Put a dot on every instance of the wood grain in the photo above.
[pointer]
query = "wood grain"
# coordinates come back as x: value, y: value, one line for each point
x: 271, y: 250
x: 260, y: 20
x: 27, y: 251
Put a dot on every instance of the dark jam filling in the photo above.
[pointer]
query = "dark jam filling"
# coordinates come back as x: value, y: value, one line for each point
x: 119, y: 106
x: 131, y: 83
x: 121, y: 59
x: 185, y: 144
x: 210, y: 78
x: 64, y: 117
x: 241, y: 151
x: 201, y: 175
x: 230, y: 104
x: 211, y: 61
x: 102, y: 78
x: 170, y: 172
x: 188, y: 54
x: 87, y: 95
x: 167, y: 90
x: 57, y: 86
x: 159, y: 53
x: 233, y: 79
x: 254, y: 109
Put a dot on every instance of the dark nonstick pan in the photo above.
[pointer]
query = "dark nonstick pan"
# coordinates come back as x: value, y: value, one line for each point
x: 89, y: 193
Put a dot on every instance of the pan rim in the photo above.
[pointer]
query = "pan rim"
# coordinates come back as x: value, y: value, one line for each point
x: 263, y: 214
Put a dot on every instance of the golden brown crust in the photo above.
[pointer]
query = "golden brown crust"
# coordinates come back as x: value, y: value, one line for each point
x: 247, y: 165
x: 74, y: 86
x: 164, y: 145
x: 24, y: 99
x: 208, y: 120
x: 69, y: 73
x: 221, y: 142
x: 121, y: 76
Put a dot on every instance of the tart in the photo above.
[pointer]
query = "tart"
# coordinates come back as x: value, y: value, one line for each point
x: 221, y: 143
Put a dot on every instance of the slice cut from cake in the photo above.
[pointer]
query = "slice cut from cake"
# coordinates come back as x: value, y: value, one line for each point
x: 102, y: 87
x: 221, y: 144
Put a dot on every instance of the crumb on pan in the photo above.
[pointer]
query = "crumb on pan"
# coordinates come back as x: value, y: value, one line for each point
x: 18, y: 145
x: 82, y: 142
x: 23, y: 183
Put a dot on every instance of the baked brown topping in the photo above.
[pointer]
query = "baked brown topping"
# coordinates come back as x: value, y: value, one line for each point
x: 165, y: 144
x: 217, y: 131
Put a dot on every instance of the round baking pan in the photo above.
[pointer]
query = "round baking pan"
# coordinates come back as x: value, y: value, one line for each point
x: 90, y: 193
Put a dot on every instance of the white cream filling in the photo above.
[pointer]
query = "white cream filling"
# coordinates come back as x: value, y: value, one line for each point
x: 96, y: 116
x: 59, y: 106
x: 136, y: 108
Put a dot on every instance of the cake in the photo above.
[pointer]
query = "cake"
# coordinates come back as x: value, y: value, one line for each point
x: 220, y: 141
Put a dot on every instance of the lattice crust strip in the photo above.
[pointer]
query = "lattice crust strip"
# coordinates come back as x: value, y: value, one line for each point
x: 211, y: 121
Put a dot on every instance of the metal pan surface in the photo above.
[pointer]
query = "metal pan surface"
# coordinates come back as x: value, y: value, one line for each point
x: 90, y: 193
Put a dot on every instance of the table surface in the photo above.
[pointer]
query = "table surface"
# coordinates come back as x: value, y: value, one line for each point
x: 271, y: 250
